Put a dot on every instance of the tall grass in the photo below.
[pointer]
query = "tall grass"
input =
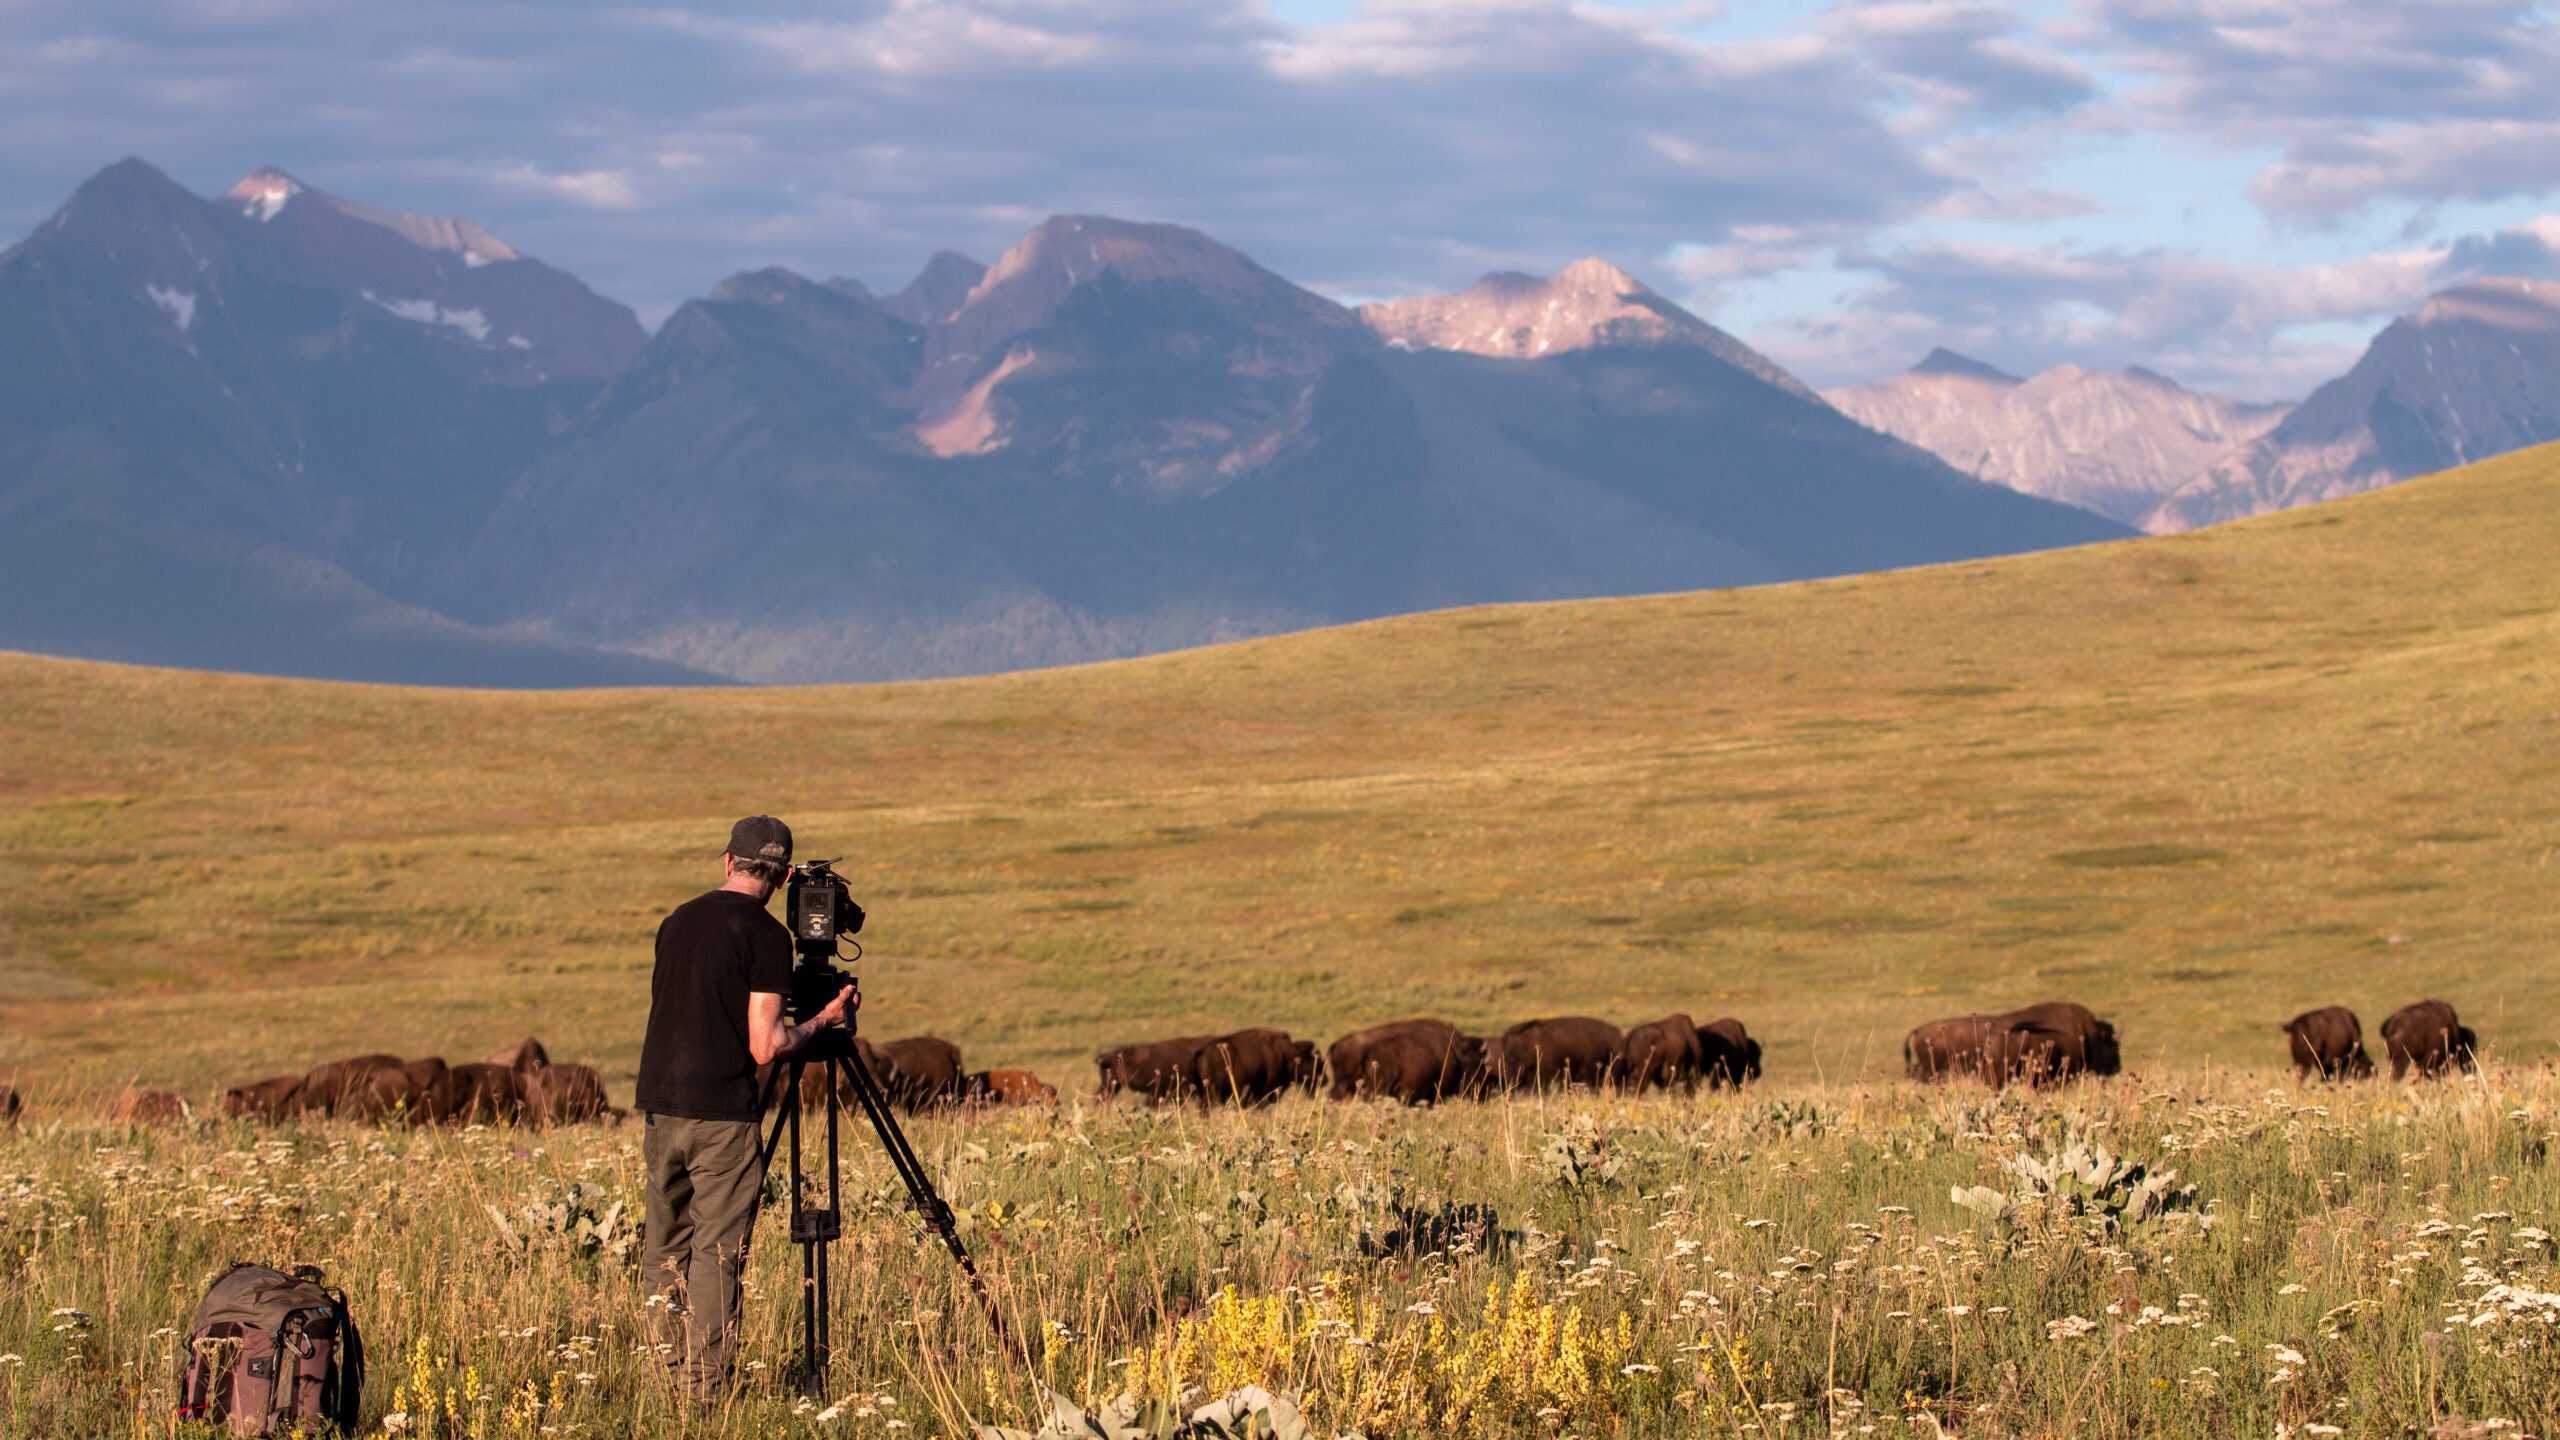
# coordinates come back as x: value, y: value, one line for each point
x: 2372, y: 1258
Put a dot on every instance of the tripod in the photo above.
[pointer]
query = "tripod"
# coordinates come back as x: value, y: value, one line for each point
x: 814, y: 1229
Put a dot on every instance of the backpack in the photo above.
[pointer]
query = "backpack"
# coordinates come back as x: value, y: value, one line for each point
x: 272, y: 1352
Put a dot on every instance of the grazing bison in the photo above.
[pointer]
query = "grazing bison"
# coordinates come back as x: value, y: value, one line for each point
x: 2055, y: 1041
x: 1569, y: 1050
x: 1251, y: 1067
x: 473, y: 1094
x: 2041, y: 1044
x: 400, y: 1090
x: 2329, y: 1041
x: 1731, y: 1056
x: 923, y: 1070
x: 1664, y: 1052
x: 326, y: 1087
x: 1161, y: 1070
x: 1007, y: 1087
x: 140, y: 1106
x: 2431, y: 1037
x: 1942, y: 1049
x: 276, y: 1099
x: 523, y: 1057
x: 1416, y: 1061
x: 565, y: 1095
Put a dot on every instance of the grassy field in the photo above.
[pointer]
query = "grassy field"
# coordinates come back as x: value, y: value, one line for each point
x: 2199, y: 782
x: 2370, y: 1262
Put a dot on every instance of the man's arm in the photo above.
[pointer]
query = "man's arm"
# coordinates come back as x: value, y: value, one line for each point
x: 768, y: 1039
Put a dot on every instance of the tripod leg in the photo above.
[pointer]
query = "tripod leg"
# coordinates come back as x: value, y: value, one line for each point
x: 928, y: 1202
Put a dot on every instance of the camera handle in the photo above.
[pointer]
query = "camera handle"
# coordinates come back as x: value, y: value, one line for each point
x: 813, y: 1230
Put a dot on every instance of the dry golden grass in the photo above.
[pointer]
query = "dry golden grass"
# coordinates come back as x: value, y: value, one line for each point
x: 2199, y: 782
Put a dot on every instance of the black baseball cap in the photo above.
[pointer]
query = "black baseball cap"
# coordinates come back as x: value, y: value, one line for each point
x: 761, y: 837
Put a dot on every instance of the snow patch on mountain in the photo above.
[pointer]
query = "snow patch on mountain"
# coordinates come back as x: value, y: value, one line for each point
x: 181, y: 304
x: 262, y: 195
x: 426, y: 312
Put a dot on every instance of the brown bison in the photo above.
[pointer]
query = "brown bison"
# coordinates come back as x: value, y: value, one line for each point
x: 1252, y: 1067
x: 482, y: 1094
x: 399, y: 1091
x: 565, y: 1095
x: 1161, y: 1070
x: 2330, y: 1042
x: 1943, y: 1049
x: 326, y: 1087
x: 1568, y: 1050
x: 2042, y: 1044
x: 276, y: 1099
x: 1664, y: 1052
x: 2431, y: 1037
x: 1007, y: 1087
x: 1731, y: 1055
x: 924, y: 1070
x: 140, y: 1106
x: 523, y: 1057
x: 1419, y: 1062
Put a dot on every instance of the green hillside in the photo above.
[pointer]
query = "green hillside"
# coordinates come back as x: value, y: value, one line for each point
x: 2200, y: 782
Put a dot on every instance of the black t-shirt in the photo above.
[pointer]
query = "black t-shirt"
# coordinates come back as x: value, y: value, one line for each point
x: 714, y: 951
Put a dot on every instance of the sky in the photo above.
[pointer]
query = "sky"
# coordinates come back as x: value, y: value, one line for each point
x: 2234, y: 193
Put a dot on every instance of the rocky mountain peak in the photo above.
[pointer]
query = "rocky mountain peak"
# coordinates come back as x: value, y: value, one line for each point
x: 2497, y: 301
x: 263, y: 194
x: 2114, y: 443
x: 1943, y: 361
x: 1586, y: 305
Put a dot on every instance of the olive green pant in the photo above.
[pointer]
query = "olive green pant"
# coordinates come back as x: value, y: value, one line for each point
x: 705, y: 1181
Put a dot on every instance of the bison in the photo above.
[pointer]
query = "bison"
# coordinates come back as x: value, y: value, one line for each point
x: 140, y: 1106
x: 400, y: 1090
x: 326, y: 1087
x: 923, y: 1070
x: 276, y: 1099
x: 1252, y: 1067
x: 2041, y: 1044
x: 1416, y: 1061
x: 523, y: 1057
x: 1161, y: 1070
x: 1664, y: 1052
x: 467, y: 1094
x: 10, y: 1104
x: 2431, y: 1037
x: 565, y: 1095
x: 1007, y: 1087
x: 1731, y: 1055
x: 2330, y: 1041
x: 1569, y: 1050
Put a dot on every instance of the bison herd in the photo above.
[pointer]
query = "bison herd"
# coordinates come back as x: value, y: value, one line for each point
x: 1422, y: 1062
x: 1418, y: 1062
x: 2427, y: 1037
x: 518, y: 1083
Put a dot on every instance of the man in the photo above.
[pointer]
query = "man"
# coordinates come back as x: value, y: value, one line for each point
x: 715, y: 1015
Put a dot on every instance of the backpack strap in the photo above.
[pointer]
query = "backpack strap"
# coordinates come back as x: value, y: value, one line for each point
x: 344, y: 1406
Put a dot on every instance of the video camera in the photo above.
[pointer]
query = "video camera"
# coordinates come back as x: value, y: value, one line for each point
x: 822, y: 914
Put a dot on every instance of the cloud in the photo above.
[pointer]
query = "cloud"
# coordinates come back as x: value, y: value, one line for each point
x: 652, y: 149
x: 2365, y: 100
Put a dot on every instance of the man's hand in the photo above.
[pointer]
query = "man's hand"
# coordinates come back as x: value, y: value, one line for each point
x: 768, y: 1039
x: 838, y: 1010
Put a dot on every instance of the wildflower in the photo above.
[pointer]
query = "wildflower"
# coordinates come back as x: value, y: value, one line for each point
x: 2322, y: 1430
x: 1959, y: 1309
x: 2290, y: 1290
x: 831, y: 1414
x: 2069, y: 1327
x: 13, y: 1359
x: 396, y: 1423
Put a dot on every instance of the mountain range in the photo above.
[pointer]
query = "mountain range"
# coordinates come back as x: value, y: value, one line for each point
x: 278, y: 430
x: 2473, y: 373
